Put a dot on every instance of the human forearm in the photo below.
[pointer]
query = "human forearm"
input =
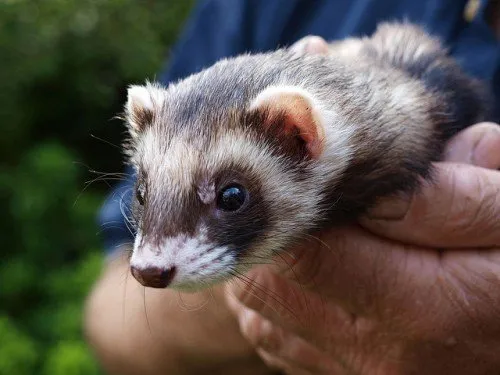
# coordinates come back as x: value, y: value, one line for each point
x: 146, y: 331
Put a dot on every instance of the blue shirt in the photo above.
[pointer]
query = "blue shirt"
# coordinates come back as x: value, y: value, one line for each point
x: 223, y: 28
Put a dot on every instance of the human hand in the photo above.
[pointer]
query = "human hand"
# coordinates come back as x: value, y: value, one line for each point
x: 413, y: 289
x: 135, y: 330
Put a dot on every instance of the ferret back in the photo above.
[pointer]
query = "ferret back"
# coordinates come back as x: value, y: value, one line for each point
x: 421, y: 56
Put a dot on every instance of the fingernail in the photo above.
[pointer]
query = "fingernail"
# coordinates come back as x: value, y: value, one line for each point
x: 458, y: 151
x: 486, y: 151
x: 393, y: 208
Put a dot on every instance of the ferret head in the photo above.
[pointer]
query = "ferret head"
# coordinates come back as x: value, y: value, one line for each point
x: 221, y: 178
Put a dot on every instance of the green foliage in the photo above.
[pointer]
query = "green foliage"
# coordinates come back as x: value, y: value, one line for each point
x: 18, y: 351
x: 64, y: 68
x: 70, y: 358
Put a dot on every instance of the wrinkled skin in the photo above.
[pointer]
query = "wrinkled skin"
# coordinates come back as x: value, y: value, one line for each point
x: 373, y: 306
x: 414, y: 288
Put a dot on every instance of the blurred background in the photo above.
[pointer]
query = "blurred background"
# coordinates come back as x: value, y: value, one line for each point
x: 64, y: 68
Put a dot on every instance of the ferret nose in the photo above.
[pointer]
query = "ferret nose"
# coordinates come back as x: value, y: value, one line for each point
x: 154, y: 277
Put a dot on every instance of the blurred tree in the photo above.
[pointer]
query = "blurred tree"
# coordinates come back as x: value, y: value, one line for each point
x: 64, y: 68
x: 18, y: 351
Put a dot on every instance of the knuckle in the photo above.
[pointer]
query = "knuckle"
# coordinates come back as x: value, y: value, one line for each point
x: 486, y: 212
x: 262, y: 334
x: 311, y: 267
x: 465, y: 203
x: 473, y: 203
x: 271, y: 296
x: 251, y: 291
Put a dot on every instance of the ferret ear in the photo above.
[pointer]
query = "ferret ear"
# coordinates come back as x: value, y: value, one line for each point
x: 310, y: 45
x: 292, y: 112
x: 142, y: 102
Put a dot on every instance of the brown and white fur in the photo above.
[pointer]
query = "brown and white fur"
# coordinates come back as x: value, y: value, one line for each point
x: 313, y: 138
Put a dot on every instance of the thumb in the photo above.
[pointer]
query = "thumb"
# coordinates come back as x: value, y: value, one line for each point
x: 478, y: 145
x: 460, y: 209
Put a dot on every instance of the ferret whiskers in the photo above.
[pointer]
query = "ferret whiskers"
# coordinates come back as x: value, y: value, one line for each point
x: 105, y: 141
x: 252, y: 284
x: 146, y: 310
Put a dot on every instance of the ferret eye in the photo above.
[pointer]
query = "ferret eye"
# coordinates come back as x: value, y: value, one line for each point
x: 139, y: 194
x: 231, y: 197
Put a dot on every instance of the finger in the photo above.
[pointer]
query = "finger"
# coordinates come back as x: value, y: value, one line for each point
x: 478, y: 145
x: 310, y: 45
x: 460, y: 209
x: 277, y: 299
x: 279, y: 364
x: 281, y: 346
x: 338, y: 284
x: 290, y: 305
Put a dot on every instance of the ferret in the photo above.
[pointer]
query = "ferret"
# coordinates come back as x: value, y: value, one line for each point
x: 237, y: 162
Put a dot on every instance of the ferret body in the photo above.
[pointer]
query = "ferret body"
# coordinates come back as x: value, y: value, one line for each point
x: 237, y: 162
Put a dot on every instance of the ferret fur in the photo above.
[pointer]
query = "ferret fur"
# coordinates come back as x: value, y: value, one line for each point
x: 387, y: 105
